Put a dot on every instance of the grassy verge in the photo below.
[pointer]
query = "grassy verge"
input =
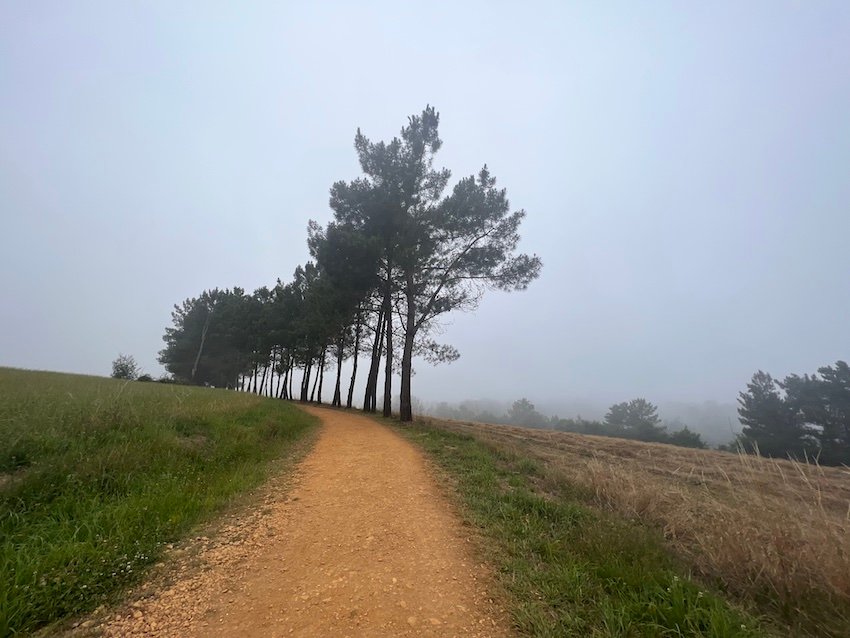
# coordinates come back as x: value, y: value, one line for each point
x: 569, y: 568
x: 96, y: 476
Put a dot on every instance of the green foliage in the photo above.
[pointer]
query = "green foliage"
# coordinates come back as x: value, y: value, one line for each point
x: 636, y: 419
x: 572, y: 570
x: 769, y: 422
x: 522, y: 412
x: 398, y: 254
x: 97, y: 475
x: 799, y: 416
x: 685, y: 438
x: 210, y: 341
x: 223, y: 336
x: 434, y: 253
x: 125, y: 367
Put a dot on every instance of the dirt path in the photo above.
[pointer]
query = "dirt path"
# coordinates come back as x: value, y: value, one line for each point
x: 364, y: 544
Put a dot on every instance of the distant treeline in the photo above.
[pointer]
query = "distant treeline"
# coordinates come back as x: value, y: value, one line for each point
x: 802, y: 416
x: 636, y: 419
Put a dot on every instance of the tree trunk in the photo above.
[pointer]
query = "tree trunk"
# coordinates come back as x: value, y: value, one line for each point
x: 357, y: 328
x: 279, y: 376
x: 256, y: 366
x: 291, y: 376
x: 388, y: 369
x: 316, y: 381
x: 305, y: 380
x: 272, y: 368
x: 263, y: 381
x: 201, y: 347
x: 270, y: 386
x: 405, y: 401
x: 322, y: 374
x: 370, y: 399
x: 284, y: 394
x: 340, y: 352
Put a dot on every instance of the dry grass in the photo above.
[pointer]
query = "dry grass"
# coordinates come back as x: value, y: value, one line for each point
x: 771, y: 531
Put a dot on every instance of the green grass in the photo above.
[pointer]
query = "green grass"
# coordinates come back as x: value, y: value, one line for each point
x: 97, y: 475
x: 571, y: 570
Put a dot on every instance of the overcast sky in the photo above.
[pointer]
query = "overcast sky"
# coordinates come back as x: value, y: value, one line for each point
x: 685, y: 168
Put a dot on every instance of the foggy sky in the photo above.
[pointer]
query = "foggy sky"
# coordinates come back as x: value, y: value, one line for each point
x: 685, y: 168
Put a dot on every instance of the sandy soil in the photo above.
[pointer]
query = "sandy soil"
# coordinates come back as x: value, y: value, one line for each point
x: 363, y: 544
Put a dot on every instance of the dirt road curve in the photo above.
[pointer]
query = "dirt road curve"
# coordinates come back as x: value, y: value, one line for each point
x: 364, y: 544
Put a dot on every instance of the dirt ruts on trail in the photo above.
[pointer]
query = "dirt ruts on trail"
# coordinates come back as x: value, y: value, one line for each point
x: 363, y: 544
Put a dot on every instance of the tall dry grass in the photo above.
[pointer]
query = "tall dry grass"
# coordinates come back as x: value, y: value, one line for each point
x: 776, y: 532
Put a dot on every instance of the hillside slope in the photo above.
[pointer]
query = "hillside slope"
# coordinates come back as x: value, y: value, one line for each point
x: 98, y: 475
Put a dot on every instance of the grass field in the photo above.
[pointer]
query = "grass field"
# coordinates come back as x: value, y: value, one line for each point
x: 772, y: 536
x: 97, y: 475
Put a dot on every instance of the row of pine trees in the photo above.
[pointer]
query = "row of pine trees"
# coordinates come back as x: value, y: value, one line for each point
x: 398, y: 254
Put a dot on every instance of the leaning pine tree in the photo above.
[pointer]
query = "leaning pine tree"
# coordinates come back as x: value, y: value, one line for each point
x: 437, y: 252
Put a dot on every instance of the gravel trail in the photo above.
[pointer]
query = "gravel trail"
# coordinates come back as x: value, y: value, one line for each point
x: 361, y: 543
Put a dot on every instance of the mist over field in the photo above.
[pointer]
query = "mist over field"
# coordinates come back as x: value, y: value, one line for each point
x: 683, y: 169
x: 716, y: 422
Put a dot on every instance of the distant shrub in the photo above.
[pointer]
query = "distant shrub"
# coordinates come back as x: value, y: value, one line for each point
x: 145, y: 377
x: 686, y: 438
x: 125, y: 367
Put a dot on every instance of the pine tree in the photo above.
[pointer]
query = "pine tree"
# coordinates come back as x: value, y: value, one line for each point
x: 770, y: 422
x: 440, y: 253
